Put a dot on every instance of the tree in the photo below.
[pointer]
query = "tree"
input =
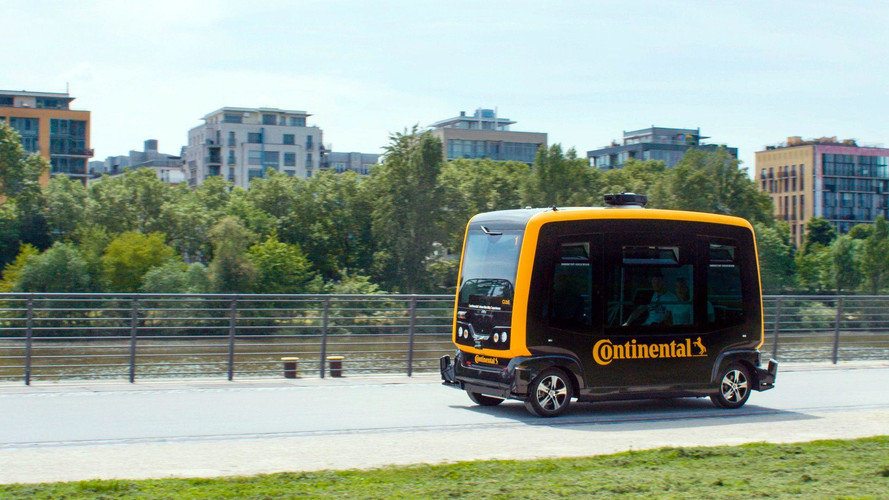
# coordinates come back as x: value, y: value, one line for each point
x: 473, y: 186
x: 641, y: 177
x: 13, y: 271
x: 875, y: 256
x: 129, y: 256
x: 282, y: 268
x: 60, y: 269
x: 231, y: 271
x: 130, y: 202
x: 713, y: 181
x: 776, y: 256
x: 407, y: 210
x: 65, y: 206
x: 818, y: 231
x: 844, y: 260
x: 814, y: 268
x: 558, y: 179
x: 175, y: 277
x: 22, y: 218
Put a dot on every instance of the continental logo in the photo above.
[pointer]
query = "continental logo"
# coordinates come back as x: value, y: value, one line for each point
x: 485, y: 359
x: 604, y: 352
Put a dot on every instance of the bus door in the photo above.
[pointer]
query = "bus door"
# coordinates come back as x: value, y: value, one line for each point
x: 651, y: 336
x: 572, y: 298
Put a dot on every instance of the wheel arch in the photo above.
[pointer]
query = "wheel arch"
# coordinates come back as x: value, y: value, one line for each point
x: 571, y: 367
x: 746, y: 357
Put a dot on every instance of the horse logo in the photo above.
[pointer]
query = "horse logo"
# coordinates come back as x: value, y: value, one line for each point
x: 700, y: 346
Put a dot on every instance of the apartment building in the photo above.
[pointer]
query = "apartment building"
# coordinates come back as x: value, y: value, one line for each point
x: 50, y: 128
x: 668, y: 145
x: 168, y: 168
x: 485, y: 135
x: 241, y: 144
x: 356, y: 162
x: 845, y: 183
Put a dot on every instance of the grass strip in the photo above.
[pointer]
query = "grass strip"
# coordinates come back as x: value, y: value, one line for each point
x: 837, y: 468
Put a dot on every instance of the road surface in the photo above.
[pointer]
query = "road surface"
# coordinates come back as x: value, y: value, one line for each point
x: 56, y: 432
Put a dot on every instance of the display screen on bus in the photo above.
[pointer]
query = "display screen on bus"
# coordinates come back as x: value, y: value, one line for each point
x: 490, y: 261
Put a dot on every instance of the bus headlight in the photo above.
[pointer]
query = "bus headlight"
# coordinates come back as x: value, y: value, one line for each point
x: 459, y: 331
x: 503, y: 337
x: 496, y: 338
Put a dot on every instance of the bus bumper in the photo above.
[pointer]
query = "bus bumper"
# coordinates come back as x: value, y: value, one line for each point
x: 765, y: 377
x: 503, y: 382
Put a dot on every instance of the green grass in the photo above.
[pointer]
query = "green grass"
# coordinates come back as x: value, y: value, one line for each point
x: 821, y: 469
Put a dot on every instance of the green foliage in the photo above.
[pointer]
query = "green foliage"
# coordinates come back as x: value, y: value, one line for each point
x: 22, y: 218
x: 129, y: 256
x: 66, y: 202
x: 642, y: 177
x: 776, y: 257
x: 844, y: 260
x: 470, y: 187
x: 61, y: 269
x: 282, y: 268
x: 874, y: 257
x: 820, y: 232
x: 231, y: 271
x: 558, y: 179
x: 131, y: 202
x: 13, y: 271
x: 176, y: 277
x: 407, y: 209
x: 813, y: 268
x: 714, y: 182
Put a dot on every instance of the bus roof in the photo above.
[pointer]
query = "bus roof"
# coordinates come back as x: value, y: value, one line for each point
x: 521, y: 217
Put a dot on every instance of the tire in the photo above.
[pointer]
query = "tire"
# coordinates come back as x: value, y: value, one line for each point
x: 482, y: 400
x: 549, y: 393
x: 734, y: 387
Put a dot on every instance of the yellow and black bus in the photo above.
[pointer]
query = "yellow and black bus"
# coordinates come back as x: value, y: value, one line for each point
x: 596, y: 304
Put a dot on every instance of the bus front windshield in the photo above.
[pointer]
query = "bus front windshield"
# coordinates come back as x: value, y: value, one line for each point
x: 489, y: 269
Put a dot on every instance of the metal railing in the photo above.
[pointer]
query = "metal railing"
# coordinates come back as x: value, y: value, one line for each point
x: 121, y: 336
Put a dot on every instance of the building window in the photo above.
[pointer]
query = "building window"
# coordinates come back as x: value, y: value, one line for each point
x: 297, y: 121
x: 308, y: 142
x: 254, y: 137
x: 231, y: 157
x: 254, y: 157
x: 308, y: 160
x: 269, y: 119
x: 271, y: 159
x: 289, y: 159
x: 289, y: 139
x: 28, y: 129
x: 231, y: 139
x: 232, y: 118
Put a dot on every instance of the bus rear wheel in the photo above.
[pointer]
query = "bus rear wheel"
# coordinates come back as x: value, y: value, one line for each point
x: 734, y: 387
x: 549, y: 393
x: 482, y: 400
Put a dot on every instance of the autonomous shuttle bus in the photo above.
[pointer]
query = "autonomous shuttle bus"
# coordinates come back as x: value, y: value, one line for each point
x: 596, y: 304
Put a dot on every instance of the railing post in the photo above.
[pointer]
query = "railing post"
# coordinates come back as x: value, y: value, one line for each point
x: 836, y: 332
x: 776, y: 329
x: 232, y: 328
x: 324, y: 319
x: 29, y: 334
x: 134, y: 330
x: 411, y: 327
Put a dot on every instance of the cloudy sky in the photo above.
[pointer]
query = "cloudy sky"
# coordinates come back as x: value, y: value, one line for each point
x: 748, y: 73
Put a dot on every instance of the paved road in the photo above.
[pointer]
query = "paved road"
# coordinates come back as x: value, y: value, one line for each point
x: 52, y: 432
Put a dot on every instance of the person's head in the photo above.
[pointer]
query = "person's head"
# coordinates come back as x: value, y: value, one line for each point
x: 682, y: 291
x: 659, y: 284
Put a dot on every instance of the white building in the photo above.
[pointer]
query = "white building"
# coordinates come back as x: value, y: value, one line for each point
x: 167, y: 167
x: 241, y: 144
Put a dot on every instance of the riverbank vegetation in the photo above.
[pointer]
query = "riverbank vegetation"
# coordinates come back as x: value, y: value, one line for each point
x: 398, y: 229
x: 821, y: 469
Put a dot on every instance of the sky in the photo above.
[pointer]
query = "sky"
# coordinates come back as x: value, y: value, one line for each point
x: 747, y: 73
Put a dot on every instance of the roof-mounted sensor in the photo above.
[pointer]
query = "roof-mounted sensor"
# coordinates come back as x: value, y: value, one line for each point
x: 626, y: 200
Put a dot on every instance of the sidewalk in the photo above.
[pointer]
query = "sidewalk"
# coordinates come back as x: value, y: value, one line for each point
x: 217, y: 383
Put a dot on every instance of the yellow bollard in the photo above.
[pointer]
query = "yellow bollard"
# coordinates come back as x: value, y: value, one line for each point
x: 290, y: 367
x: 336, y: 365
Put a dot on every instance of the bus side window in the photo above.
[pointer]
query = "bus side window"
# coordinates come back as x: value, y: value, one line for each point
x: 651, y: 288
x: 570, y: 300
x: 725, y: 301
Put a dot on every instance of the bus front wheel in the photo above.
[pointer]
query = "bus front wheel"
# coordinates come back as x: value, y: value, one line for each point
x: 482, y: 400
x: 734, y: 387
x: 549, y: 393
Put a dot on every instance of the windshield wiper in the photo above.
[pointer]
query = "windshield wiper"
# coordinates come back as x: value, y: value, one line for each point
x: 491, y: 233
